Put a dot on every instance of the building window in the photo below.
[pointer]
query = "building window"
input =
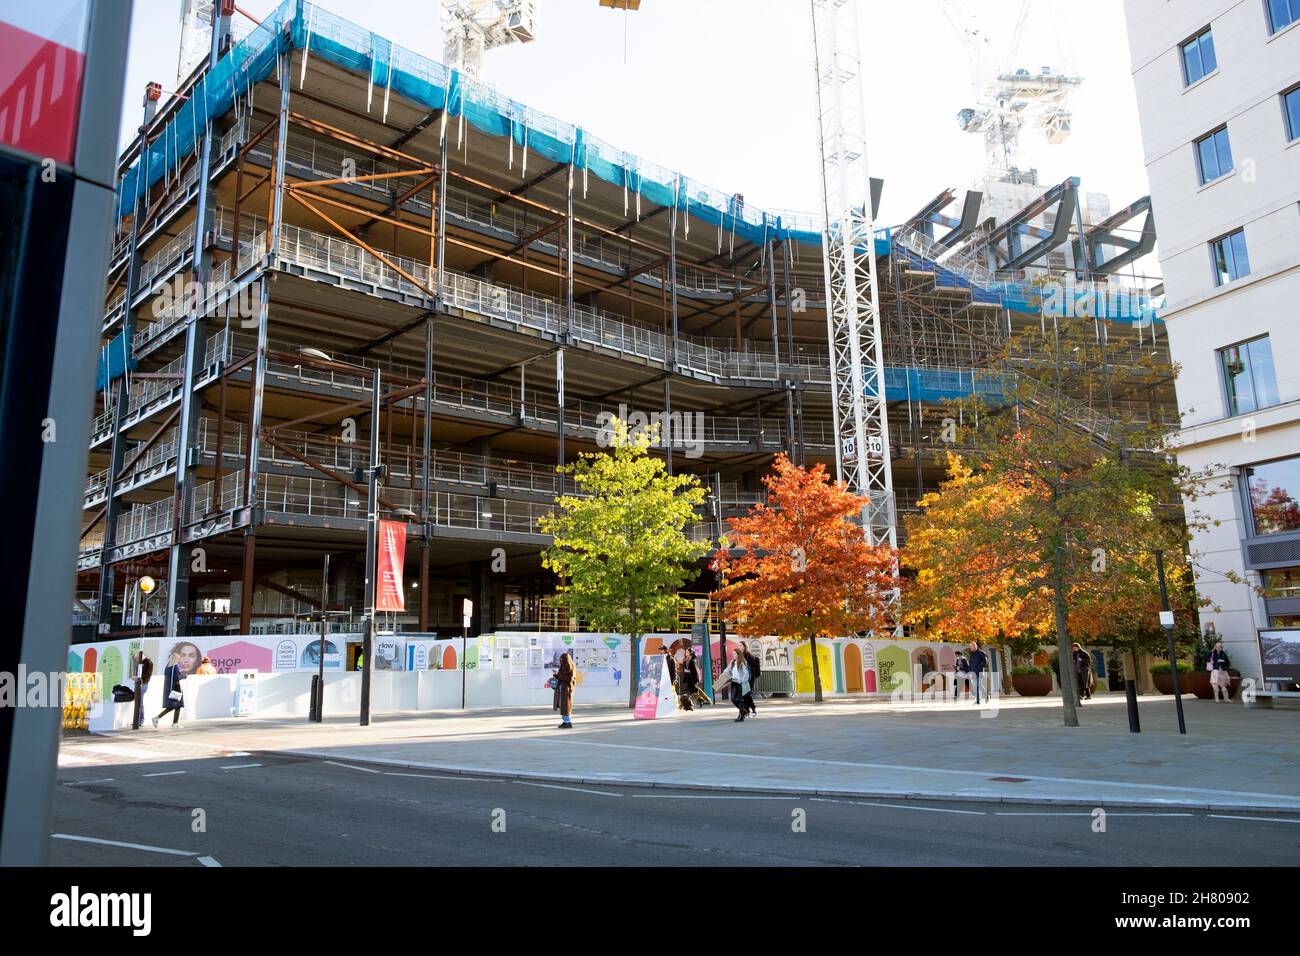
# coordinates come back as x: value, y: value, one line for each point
x: 1291, y: 108
x: 1198, y: 57
x: 1230, y: 259
x: 1281, y: 582
x: 1248, y: 375
x: 1282, y: 13
x: 1214, y: 154
x: 1272, y: 489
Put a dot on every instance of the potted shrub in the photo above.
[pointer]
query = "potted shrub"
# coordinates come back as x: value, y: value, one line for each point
x: 1031, y: 681
x: 1162, y: 676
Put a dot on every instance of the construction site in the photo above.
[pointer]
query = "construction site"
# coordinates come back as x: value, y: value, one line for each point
x: 350, y: 283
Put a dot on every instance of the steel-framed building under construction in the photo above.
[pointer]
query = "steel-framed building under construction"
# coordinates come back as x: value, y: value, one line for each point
x: 327, y: 240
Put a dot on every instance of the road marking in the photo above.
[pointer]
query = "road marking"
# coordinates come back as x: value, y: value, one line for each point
x: 208, y: 861
x: 898, y: 806
x: 707, y: 796
x: 239, y: 753
x: 129, y: 846
x: 352, y: 767
x: 84, y: 783
x: 1225, y: 816
x: 1083, y: 813
x: 556, y: 786
x: 982, y: 774
x: 434, y: 776
x: 240, y: 766
x: 164, y: 773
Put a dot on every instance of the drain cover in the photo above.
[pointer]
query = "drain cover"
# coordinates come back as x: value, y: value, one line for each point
x: 1010, y: 779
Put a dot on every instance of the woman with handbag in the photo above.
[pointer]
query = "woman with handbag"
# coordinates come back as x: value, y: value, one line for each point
x: 563, y: 701
x: 173, y: 699
x: 738, y: 672
x: 1220, y: 674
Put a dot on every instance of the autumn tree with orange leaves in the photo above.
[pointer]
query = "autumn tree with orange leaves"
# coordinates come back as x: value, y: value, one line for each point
x: 801, y: 568
x: 1056, y: 527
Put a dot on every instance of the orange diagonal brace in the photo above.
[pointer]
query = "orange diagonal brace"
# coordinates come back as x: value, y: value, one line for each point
x: 363, y: 244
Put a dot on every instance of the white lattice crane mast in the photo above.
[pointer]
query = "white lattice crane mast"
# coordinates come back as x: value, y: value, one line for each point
x: 471, y: 26
x: 852, y: 301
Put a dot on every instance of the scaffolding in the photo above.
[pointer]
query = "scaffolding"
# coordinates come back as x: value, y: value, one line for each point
x: 285, y: 237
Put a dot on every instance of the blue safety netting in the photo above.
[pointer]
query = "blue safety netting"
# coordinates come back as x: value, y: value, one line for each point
x: 938, y: 384
x: 248, y: 62
x: 114, y: 359
x: 394, y: 69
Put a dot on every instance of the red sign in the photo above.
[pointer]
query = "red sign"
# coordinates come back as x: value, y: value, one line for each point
x: 392, y: 557
x: 42, y: 60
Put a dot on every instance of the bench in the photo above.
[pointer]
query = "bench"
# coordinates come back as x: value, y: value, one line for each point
x: 1266, y: 694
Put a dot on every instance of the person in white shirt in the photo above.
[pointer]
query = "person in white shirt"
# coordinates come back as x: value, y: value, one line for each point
x: 738, y: 671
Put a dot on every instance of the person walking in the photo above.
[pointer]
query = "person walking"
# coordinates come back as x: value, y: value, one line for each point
x: 976, y: 661
x: 564, y: 678
x: 173, y: 699
x: 672, y: 664
x: 1082, y: 672
x: 738, y: 672
x: 688, y: 680
x: 755, y: 668
x: 1220, y: 673
x: 144, y: 670
x: 960, y: 675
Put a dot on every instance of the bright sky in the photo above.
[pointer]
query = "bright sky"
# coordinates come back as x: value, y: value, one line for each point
x: 723, y: 90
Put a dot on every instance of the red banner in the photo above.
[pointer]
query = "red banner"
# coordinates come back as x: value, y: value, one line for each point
x: 392, y: 558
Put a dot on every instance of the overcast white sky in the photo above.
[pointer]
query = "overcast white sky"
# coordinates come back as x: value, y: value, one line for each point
x: 723, y: 90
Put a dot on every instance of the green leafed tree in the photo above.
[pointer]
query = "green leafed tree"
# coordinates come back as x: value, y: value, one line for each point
x: 620, y: 546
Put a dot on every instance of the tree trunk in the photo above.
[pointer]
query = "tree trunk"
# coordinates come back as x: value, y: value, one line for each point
x: 817, y: 671
x: 1065, y: 660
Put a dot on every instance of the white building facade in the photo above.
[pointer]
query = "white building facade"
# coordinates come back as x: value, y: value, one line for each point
x: 1218, y: 90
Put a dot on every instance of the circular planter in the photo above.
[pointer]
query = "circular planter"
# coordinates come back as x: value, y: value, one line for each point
x: 1165, y: 682
x: 1202, y: 688
x: 1032, y: 685
x: 1197, y: 683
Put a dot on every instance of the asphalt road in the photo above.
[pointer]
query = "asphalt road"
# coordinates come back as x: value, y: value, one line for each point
x: 276, y: 810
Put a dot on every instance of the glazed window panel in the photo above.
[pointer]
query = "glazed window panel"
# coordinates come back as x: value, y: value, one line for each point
x: 1214, y: 155
x: 1273, y: 489
x: 1291, y: 110
x: 1249, y: 377
x: 1198, y: 57
x: 1229, y: 257
x: 1282, y: 13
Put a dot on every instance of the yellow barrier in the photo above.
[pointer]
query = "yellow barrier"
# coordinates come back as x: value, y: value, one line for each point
x: 80, y: 694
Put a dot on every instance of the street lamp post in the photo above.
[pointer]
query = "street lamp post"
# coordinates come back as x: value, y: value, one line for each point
x: 1167, y: 622
x: 372, y: 528
x: 146, y: 586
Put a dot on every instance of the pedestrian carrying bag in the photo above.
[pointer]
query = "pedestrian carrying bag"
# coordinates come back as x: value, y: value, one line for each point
x: 174, y: 696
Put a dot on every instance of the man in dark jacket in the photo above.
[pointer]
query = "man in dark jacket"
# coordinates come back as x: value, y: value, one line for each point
x: 144, y: 673
x: 976, y: 659
x: 755, y: 668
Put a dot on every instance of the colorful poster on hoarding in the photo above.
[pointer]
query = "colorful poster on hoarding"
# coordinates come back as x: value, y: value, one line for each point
x: 311, y: 655
x: 392, y: 559
x: 655, y: 696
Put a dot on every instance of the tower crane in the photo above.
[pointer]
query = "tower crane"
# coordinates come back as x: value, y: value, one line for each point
x: 862, y: 458
x: 1007, y: 97
x: 471, y: 26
